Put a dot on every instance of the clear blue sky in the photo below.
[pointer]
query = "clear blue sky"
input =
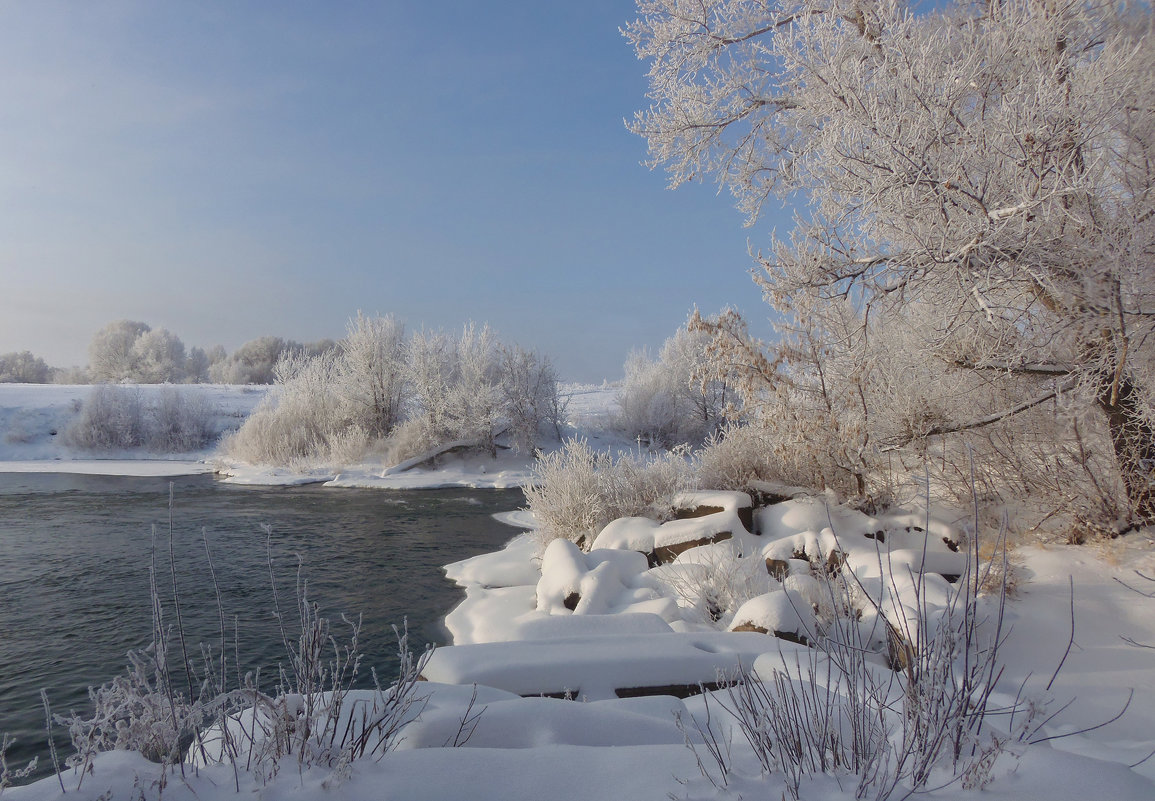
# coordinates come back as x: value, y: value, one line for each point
x: 233, y: 169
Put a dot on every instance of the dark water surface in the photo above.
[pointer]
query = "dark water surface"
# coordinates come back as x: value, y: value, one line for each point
x: 74, y: 575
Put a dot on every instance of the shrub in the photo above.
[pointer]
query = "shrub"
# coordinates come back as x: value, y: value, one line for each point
x: 302, y: 420
x: 832, y: 710
x: 671, y: 401
x: 180, y: 422
x: 376, y: 391
x: 115, y: 417
x: 111, y: 418
x: 577, y: 490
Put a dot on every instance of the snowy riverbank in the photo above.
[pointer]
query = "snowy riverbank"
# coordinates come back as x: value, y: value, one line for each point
x: 35, y: 417
x: 624, y: 638
x: 517, y: 635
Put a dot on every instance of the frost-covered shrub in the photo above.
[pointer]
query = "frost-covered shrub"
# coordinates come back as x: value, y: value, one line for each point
x: 734, y: 458
x: 671, y: 401
x: 117, y: 417
x: 578, y: 490
x: 833, y: 711
x: 713, y: 581
x: 180, y: 422
x: 302, y: 420
x: 530, y: 396
x: 111, y: 418
x: 565, y: 498
x: 378, y: 392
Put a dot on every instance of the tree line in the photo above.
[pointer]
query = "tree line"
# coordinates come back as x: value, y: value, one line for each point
x: 133, y: 352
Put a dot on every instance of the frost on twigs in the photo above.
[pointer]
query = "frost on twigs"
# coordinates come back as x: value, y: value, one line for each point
x: 8, y: 775
x: 579, y: 491
x: 896, y: 690
x: 969, y: 267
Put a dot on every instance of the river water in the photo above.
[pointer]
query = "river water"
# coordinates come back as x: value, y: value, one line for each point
x: 74, y: 575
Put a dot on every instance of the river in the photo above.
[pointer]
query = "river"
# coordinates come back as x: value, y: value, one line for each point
x: 74, y: 575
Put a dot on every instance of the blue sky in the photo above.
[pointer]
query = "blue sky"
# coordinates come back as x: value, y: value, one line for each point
x: 233, y: 169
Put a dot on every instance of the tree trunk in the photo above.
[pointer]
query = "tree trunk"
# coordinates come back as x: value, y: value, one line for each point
x: 1133, y: 441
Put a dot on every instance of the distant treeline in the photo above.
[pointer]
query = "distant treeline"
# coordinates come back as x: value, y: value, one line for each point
x: 132, y: 352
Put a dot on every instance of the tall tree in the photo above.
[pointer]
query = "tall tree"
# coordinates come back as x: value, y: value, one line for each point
x: 993, y: 163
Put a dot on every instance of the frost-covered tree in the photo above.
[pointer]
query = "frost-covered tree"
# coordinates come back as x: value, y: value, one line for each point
x: 23, y: 368
x: 475, y: 394
x: 373, y: 380
x: 674, y: 399
x: 530, y: 395
x: 158, y: 357
x: 196, y: 366
x: 134, y: 352
x: 112, y: 355
x: 454, y: 385
x: 992, y: 164
x: 253, y: 362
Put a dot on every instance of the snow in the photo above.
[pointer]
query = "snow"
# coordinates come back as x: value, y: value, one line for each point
x: 633, y: 626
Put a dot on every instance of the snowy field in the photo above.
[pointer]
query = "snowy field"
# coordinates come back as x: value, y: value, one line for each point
x: 605, y: 628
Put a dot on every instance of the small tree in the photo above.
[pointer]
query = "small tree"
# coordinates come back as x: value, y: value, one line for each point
x: 675, y: 399
x: 373, y: 367
x: 159, y: 358
x: 530, y: 396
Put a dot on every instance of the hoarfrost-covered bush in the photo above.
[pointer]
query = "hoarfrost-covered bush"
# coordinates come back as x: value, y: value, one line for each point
x: 116, y: 417
x: 672, y: 400
x: 180, y: 422
x: 734, y: 458
x: 833, y: 710
x: 111, y: 418
x: 715, y: 580
x: 302, y: 419
x: 376, y: 390
x: 578, y: 490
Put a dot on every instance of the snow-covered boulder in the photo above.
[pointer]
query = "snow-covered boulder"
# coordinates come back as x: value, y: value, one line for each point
x: 585, y: 584
x: 784, y: 614
x: 628, y: 534
x: 676, y: 536
x: 688, y: 505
